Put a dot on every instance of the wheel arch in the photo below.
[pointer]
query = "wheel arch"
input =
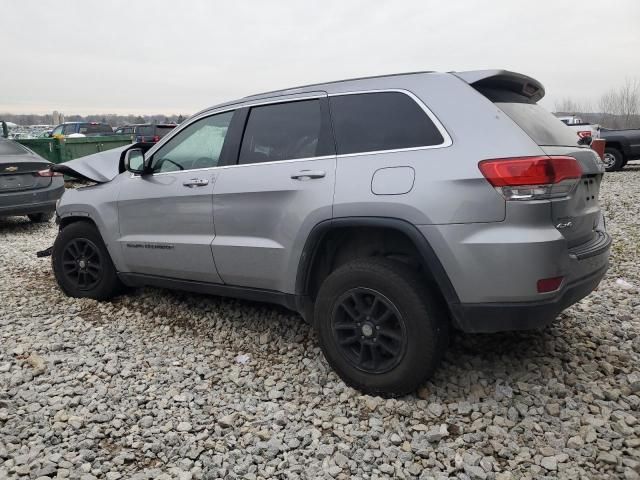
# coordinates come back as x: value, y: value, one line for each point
x: 68, y: 220
x: 619, y: 145
x: 317, y: 243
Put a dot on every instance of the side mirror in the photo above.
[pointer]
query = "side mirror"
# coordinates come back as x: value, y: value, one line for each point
x: 134, y: 161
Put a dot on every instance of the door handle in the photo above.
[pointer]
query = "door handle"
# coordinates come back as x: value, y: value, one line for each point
x: 308, y: 174
x: 196, y: 182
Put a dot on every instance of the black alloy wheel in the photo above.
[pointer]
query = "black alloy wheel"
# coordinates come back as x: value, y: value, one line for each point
x: 369, y: 330
x: 82, y: 263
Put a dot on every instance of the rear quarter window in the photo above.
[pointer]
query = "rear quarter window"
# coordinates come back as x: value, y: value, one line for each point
x: 368, y: 122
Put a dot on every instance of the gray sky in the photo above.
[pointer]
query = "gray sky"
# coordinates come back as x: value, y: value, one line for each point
x: 178, y: 56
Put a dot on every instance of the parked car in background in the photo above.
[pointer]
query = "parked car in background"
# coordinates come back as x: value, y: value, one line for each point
x: 371, y: 206
x: 583, y: 129
x: 146, y: 132
x: 82, y: 129
x: 621, y: 146
x: 27, y: 186
x: 152, y: 132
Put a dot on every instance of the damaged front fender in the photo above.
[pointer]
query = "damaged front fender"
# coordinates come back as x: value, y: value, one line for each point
x: 100, y: 167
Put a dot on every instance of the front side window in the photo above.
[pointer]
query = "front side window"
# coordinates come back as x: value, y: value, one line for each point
x: 197, y: 146
x: 369, y: 122
x: 283, y: 131
x: 70, y: 128
x: 57, y: 130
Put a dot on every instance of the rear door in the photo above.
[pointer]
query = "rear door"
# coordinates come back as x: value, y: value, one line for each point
x: 166, y: 218
x: 282, y: 186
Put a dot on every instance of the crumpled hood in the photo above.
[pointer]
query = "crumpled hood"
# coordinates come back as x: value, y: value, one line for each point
x: 99, y: 167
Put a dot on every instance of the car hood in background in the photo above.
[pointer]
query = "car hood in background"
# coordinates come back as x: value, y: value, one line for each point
x: 100, y: 167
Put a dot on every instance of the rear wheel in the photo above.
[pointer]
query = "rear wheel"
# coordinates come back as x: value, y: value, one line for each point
x: 82, y: 265
x: 380, y: 326
x: 41, y: 217
x: 613, y: 159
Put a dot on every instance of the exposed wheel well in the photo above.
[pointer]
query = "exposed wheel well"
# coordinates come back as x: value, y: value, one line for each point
x: 341, y: 245
x: 66, y: 221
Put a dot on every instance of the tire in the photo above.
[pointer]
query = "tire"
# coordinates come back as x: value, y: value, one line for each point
x: 613, y: 159
x: 41, y: 217
x: 95, y: 278
x: 391, y: 357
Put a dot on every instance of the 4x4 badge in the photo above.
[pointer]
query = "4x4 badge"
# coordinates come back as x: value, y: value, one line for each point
x: 564, y: 225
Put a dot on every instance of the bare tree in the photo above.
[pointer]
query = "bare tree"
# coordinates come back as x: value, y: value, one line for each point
x: 629, y: 101
x: 620, y: 107
x: 570, y: 106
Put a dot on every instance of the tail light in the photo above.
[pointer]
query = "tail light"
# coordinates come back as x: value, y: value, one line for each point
x: 156, y: 138
x: 48, y: 173
x: 532, y: 178
x: 584, y: 133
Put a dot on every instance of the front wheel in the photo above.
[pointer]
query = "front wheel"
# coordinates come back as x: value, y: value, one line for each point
x: 613, y: 159
x: 82, y: 265
x: 380, y: 326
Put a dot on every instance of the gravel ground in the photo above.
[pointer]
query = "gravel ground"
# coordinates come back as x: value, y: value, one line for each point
x: 150, y: 385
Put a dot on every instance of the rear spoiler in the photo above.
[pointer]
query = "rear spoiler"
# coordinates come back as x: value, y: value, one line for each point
x: 503, y: 80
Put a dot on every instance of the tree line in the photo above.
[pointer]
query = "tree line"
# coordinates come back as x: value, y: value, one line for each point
x: 617, y: 108
x: 111, y: 119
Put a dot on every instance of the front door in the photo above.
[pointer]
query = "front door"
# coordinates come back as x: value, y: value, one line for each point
x: 166, y: 217
x: 282, y: 186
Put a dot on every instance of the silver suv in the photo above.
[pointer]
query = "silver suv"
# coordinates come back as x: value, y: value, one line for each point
x: 384, y: 210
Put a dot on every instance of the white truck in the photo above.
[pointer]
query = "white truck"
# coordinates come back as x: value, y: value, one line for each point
x: 583, y: 129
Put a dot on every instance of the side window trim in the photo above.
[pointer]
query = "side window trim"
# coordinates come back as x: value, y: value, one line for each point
x: 242, y: 109
x: 447, y: 141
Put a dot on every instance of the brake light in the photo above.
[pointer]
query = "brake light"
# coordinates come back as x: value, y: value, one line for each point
x: 156, y: 138
x: 584, y: 133
x: 48, y: 173
x: 532, y: 178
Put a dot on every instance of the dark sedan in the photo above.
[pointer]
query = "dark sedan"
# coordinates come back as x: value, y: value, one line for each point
x: 27, y: 186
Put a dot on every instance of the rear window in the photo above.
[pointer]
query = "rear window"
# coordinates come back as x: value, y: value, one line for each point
x: 11, y: 148
x: 542, y: 126
x: 162, y: 130
x: 368, y: 122
x: 144, y: 130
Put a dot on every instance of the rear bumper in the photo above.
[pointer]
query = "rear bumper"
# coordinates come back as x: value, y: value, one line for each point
x: 497, y: 317
x: 26, y: 209
x: 31, y: 201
